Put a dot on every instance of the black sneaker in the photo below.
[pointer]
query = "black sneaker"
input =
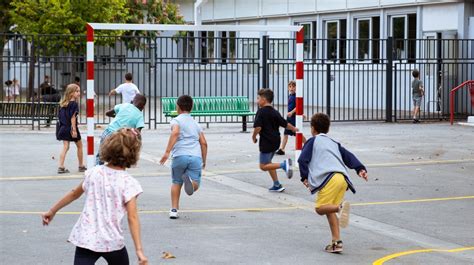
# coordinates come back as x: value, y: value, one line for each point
x: 276, y: 188
x: 280, y: 152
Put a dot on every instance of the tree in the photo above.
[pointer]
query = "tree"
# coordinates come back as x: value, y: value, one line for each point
x: 65, y: 17
x: 5, y: 25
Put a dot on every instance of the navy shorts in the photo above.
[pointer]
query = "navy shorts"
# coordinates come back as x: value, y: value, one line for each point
x: 291, y: 120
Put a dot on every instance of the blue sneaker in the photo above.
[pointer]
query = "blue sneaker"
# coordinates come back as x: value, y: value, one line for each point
x: 276, y: 188
x: 288, y: 167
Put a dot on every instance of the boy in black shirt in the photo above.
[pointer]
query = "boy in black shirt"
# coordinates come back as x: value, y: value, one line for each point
x: 267, y: 123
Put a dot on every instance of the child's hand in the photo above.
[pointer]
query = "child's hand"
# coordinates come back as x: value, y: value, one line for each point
x: 254, y: 139
x: 203, y: 164
x: 74, y: 134
x: 164, y: 158
x: 142, y: 260
x: 363, y: 174
x: 290, y: 114
x: 47, y: 217
x: 305, y: 183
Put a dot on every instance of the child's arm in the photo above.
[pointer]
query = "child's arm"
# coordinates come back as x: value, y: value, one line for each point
x: 171, y: 142
x: 203, y: 143
x: 291, y: 112
x: 73, y: 126
x: 134, y: 224
x: 351, y: 161
x: 110, y: 113
x: 256, y: 131
x: 67, y: 199
x: 304, y: 159
x: 291, y: 127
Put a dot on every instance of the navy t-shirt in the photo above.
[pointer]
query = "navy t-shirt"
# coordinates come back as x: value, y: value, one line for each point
x: 270, y: 121
x: 291, y: 102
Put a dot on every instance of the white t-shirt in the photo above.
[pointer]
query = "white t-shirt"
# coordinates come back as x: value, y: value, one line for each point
x: 128, y: 91
x: 188, y: 139
x: 99, y: 227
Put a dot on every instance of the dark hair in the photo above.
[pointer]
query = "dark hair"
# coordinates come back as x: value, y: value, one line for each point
x: 185, y: 103
x: 122, y: 148
x: 292, y: 83
x: 267, y: 94
x: 320, y: 122
x: 77, y: 79
x: 139, y: 101
x: 128, y: 76
x: 415, y: 73
x: 8, y: 82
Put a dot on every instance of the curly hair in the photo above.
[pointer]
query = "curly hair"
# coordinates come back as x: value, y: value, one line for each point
x: 122, y: 148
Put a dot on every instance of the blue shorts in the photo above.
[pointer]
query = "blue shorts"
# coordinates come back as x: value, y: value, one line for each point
x: 189, y: 165
x: 266, y: 158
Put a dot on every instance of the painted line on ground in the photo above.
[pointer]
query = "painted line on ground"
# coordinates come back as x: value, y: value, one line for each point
x: 413, y: 201
x: 411, y: 252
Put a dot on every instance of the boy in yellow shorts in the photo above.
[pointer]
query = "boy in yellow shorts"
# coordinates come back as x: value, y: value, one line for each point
x: 323, y: 169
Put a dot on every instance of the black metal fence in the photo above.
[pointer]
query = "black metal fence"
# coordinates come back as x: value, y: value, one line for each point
x: 350, y: 79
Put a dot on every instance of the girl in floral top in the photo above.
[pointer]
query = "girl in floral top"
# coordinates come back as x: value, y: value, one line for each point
x: 111, y: 193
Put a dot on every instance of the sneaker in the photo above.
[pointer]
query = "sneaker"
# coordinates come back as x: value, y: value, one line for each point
x: 276, y: 188
x: 416, y: 121
x: 334, y: 247
x: 344, y: 210
x: 174, y: 214
x: 280, y: 152
x: 188, y: 184
x: 289, y: 167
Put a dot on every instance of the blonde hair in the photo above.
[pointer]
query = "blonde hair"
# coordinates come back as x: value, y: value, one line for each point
x: 70, y: 89
x: 292, y: 83
x: 122, y: 148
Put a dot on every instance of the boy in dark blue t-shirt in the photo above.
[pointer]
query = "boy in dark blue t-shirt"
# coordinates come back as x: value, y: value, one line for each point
x: 291, y: 116
x: 267, y: 124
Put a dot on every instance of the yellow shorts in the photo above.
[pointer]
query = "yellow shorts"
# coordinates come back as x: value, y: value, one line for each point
x: 333, y: 192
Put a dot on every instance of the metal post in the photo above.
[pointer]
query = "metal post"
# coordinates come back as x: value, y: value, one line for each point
x: 328, y: 89
x: 264, y: 62
x: 299, y: 92
x: 389, y: 81
x: 90, y: 96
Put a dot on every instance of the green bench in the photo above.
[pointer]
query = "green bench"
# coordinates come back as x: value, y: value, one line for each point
x: 212, y: 106
x: 34, y: 111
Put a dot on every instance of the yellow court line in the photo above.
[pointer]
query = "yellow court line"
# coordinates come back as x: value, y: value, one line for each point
x: 405, y: 253
x: 183, y: 211
x: 158, y: 174
x: 413, y: 201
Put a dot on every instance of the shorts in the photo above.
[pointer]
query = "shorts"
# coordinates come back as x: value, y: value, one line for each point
x: 333, y: 192
x: 266, y: 158
x: 189, y: 165
x: 417, y: 101
x: 291, y: 120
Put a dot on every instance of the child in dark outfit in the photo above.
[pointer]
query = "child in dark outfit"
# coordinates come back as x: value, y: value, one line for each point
x: 323, y: 170
x: 66, y: 129
x: 267, y: 123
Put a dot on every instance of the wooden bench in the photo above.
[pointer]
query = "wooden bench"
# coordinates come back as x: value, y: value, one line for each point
x: 212, y: 106
x: 34, y: 111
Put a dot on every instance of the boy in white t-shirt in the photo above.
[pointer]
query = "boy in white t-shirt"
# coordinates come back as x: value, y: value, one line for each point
x: 127, y: 89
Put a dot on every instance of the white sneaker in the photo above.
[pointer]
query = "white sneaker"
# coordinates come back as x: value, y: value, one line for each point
x: 344, y: 214
x: 174, y: 214
x: 289, y: 167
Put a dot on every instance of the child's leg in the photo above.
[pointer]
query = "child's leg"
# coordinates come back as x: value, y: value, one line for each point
x: 85, y: 256
x: 62, y: 156
x: 334, y: 226
x: 284, y: 142
x: 194, y: 170
x: 80, y: 153
x: 175, y: 193
x: 118, y: 257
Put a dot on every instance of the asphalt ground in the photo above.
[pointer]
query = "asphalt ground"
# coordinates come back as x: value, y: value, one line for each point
x: 417, y: 207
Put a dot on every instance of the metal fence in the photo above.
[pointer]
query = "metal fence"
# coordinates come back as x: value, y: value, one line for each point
x: 349, y: 79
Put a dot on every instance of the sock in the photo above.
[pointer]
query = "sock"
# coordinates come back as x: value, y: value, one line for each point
x: 283, y: 165
x: 276, y: 183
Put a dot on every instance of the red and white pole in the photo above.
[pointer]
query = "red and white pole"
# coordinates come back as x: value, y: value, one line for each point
x: 90, y: 97
x: 299, y: 92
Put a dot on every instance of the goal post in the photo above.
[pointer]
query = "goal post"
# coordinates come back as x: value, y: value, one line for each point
x: 92, y: 27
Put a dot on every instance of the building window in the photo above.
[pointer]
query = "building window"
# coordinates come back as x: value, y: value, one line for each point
x: 368, y: 35
x: 336, y: 40
x: 309, y: 44
x: 403, y: 31
x: 228, y: 46
x: 207, y: 47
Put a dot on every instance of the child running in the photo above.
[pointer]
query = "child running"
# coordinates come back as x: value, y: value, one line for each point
x: 188, y: 148
x: 67, y: 129
x: 125, y: 115
x: 111, y: 193
x: 267, y: 123
x: 323, y: 164
x: 128, y: 89
x: 291, y: 117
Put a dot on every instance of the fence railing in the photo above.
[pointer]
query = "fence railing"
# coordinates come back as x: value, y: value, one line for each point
x: 350, y: 79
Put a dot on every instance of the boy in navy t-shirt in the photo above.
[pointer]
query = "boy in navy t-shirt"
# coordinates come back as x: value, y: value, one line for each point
x: 267, y: 123
x: 291, y: 116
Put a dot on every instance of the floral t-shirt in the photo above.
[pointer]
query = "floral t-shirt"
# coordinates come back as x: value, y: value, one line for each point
x: 99, y: 227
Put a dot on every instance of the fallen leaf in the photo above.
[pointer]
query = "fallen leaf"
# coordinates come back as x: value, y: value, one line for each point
x: 167, y: 255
